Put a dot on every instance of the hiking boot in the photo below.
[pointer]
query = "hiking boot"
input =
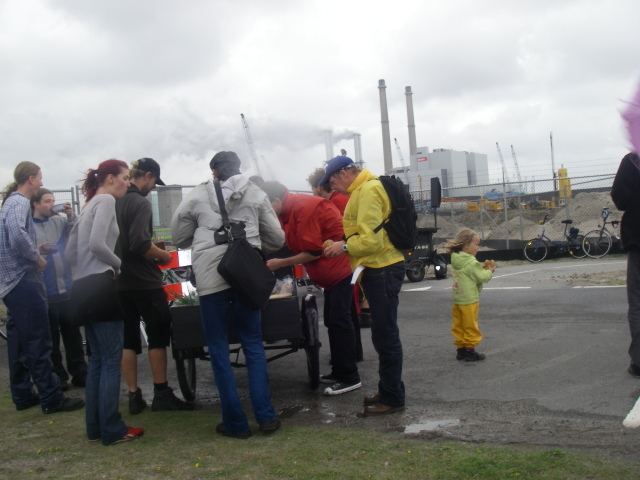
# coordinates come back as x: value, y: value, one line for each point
x: 221, y: 429
x: 328, y: 378
x: 472, y: 356
x: 136, y: 402
x: 166, y: 400
x: 67, y: 405
x: 270, y: 426
x: 339, y: 388
x: 32, y: 402
x: 132, y: 434
x: 460, y: 353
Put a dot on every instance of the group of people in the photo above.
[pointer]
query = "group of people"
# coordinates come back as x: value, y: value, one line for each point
x: 98, y: 270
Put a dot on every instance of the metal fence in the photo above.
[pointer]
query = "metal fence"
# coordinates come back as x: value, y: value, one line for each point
x: 503, y: 214
x: 506, y: 214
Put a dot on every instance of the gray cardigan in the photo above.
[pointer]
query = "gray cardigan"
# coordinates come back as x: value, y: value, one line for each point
x: 198, y: 217
x: 93, y: 239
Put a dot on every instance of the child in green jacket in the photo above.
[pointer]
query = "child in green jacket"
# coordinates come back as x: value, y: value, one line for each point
x: 468, y: 277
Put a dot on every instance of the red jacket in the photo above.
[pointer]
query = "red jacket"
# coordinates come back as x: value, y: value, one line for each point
x: 307, y: 222
x: 340, y: 200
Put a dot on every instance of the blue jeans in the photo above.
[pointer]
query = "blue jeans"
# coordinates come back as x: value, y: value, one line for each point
x: 215, y: 310
x: 381, y: 287
x: 29, y: 344
x: 103, y: 381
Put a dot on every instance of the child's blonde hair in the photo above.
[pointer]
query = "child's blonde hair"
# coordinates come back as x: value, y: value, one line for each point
x: 463, y: 237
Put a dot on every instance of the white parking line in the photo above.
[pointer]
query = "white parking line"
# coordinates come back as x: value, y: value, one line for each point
x: 421, y: 289
x: 601, y: 286
x: 633, y: 418
x: 505, y: 288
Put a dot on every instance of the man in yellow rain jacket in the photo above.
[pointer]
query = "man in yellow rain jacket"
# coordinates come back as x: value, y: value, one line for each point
x: 381, y: 278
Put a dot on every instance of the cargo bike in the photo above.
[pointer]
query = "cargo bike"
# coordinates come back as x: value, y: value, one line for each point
x: 289, y: 324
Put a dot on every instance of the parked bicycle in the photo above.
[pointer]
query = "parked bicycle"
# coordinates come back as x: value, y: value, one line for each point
x: 597, y: 243
x: 537, y: 249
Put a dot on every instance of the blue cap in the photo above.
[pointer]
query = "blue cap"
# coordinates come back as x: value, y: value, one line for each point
x: 335, y: 165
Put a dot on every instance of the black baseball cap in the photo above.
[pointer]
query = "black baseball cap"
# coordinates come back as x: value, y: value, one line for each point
x: 148, y: 165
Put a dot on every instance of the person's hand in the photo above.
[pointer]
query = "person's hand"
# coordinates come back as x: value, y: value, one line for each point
x: 68, y: 211
x: 42, y: 250
x: 334, y: 250
x: 41, y: 264
x: 164, y: 258
x: 275, y: 263
x: 493, y: 269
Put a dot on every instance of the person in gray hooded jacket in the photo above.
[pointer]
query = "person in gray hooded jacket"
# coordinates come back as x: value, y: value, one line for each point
x: 193, y: 225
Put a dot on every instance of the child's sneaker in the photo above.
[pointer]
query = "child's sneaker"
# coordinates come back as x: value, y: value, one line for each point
x: 472, y: 356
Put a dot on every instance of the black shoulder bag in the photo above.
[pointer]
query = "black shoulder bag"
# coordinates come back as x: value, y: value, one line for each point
x: 242, y: 265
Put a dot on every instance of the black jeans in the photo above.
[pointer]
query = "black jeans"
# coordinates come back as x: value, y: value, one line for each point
x: 342, y: 335
x: 61, y: 322
x: 382, y: 286
x: 633, y: 297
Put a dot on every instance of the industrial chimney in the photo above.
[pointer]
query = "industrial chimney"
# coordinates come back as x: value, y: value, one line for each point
x: 357, y: 147
x: 411, y: 122
x: 328, y: 144
x: 386, y: 137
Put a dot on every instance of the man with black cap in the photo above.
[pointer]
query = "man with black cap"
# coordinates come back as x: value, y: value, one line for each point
x: 368, y: 246
x: 140, y: 290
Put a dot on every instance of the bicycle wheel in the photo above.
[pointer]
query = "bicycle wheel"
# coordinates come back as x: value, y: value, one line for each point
x: 186, y: 372
x: 535, y: 250
x: 576, y: 249
x: 596, y: 243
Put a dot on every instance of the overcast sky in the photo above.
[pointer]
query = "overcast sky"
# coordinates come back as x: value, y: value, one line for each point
x: 84, y: 81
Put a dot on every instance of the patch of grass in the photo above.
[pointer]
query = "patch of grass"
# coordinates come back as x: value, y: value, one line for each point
x: 183, y: 445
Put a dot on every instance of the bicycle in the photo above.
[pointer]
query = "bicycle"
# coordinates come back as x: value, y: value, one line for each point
x: 537, y: 249
x: 597, y: 243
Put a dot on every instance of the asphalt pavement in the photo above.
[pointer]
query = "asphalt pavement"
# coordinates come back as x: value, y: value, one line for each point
x: 556, y: 340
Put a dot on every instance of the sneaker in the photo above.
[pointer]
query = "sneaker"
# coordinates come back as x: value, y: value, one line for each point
x: 460, y: 353
x: 634, y: 370
x: 270, y: 425
x: 472, y: 356
x: 132, y: 434
x: 136, y: 402
x: 222, y: 430
x: 67, y: 405
x: 166, y: 400
x: 329, y: 378
x: 32, y: 402
x: 339, y: 388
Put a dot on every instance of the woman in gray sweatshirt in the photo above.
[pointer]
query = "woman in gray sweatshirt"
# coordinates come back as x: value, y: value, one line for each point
x: 90, y: 252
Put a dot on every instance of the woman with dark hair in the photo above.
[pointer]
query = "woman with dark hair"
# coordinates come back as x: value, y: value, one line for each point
x: 95, y: 266
x: 22, y: 289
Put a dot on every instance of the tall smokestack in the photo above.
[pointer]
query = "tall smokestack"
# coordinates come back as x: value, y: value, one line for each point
x: 410, y: 121
x: 357, y: 147
x: 386, y: 137
x: 328, y: 144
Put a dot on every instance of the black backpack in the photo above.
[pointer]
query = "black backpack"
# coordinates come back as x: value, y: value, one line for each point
x: 401, y: 222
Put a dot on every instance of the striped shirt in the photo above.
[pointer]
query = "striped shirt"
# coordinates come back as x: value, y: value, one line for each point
x: 18, y: 249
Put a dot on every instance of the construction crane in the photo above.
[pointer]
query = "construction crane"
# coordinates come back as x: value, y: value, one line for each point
x: 515, y: 162
x: 252, y: 152
x: 504, y: 167
x: 404, y: 167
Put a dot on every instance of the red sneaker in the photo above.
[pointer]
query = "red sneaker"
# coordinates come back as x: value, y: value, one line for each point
x: 131, y: 434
